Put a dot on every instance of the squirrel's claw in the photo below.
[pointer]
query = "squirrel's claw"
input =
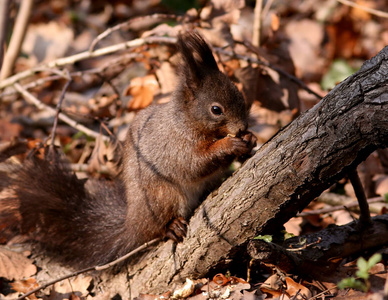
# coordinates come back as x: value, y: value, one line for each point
x: 177, y: 229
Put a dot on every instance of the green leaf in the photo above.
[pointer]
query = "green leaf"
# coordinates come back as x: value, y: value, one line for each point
x: 266, y: 238
x: 288, y: 235
x: 353, y: 283
x: 362, y: 264
x: 339, y: 70
x: 386, y: 198
x: 362, y: 274
x: 374, y: 259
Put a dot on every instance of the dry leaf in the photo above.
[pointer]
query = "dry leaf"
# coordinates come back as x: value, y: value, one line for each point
x: 79, y: 284
x: 24, y: 286
x: 185, y: 291
x: 289, y: 289
x: 9, y: 130
x: 294, y: 288
x: 224, y: 288
x: 143, y: 90
x: 362, y: 14
x: 293, y: 225
x: 306, y: 37
x: 14, y: 265
x: 104, y: 157
x: 47, y: 41
x: 100, y: 106
x: 275, y: 22
x: 166, y: 77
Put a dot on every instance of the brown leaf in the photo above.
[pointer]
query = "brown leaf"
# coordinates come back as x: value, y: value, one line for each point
x: 76, y: 284
x: 276, y: 287
x: 294, y: 288
x: 100, y: 106
x: 9, y: 130
x: 293, y: 225
x: 275, y: 22
x: 362, y: 14
x: 47, y: 41
x: 306, y: 37
x: 104, y: 158
x: 143, y: 90
x: 14, y: 265
x: 24, y: 286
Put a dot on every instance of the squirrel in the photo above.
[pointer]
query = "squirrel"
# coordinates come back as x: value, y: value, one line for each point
x: 173, y: 155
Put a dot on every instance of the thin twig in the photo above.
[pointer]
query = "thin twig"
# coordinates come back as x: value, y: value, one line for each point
x: 297, y: 294
x: 336, y: 208
x: 269, y: 65
x: 58, y: 110
x: 372, y: 11
x: 95, y: 268
x: 156, y: 17
x: 323, y: 293
x: 126, y: 256
x: 266, y: 8
x: 32, y: 99
x: 123, y: 59
x: 257, y: 23
x: 136, y: 43
x: 4, y: 20
x: 15, y: 44
x: 305, y: 246
x: 86, y: 54
x: 85, y: 168
x: 365, y: 219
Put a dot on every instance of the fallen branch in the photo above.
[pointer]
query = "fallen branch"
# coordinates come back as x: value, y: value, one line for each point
x: 328, y: 248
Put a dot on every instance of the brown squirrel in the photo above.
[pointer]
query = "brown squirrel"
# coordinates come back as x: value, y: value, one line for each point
x: 173, y: 155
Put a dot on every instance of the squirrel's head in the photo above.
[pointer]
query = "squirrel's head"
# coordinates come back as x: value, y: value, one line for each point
x: 212, y: 102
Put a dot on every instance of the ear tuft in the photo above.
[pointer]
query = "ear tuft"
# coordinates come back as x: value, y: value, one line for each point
x: 197, y: 55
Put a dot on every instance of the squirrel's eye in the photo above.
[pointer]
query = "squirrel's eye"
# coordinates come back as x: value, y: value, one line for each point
x: 216, y: 110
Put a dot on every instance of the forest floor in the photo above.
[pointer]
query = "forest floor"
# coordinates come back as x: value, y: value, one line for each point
x: 119, y: 57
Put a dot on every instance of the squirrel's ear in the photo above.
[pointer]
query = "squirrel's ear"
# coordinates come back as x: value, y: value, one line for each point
x: 198, y: 59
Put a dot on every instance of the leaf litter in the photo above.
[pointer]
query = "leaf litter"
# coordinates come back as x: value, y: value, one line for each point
x: 302, y: 38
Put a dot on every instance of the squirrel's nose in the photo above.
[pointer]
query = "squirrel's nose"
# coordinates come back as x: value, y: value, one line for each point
x: 235, y: 129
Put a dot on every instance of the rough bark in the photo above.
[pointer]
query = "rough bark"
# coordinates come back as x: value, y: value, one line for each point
x: 285, y: 174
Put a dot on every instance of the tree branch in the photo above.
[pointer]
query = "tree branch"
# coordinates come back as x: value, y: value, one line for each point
x: 328, y: 248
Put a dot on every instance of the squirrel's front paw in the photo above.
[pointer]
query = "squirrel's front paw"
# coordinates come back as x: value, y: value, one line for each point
x: 177, y: 229
x: 250, y: 139
x: 241, y: 145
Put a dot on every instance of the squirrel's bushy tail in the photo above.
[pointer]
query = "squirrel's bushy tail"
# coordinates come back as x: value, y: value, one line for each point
x: 83, y: 223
